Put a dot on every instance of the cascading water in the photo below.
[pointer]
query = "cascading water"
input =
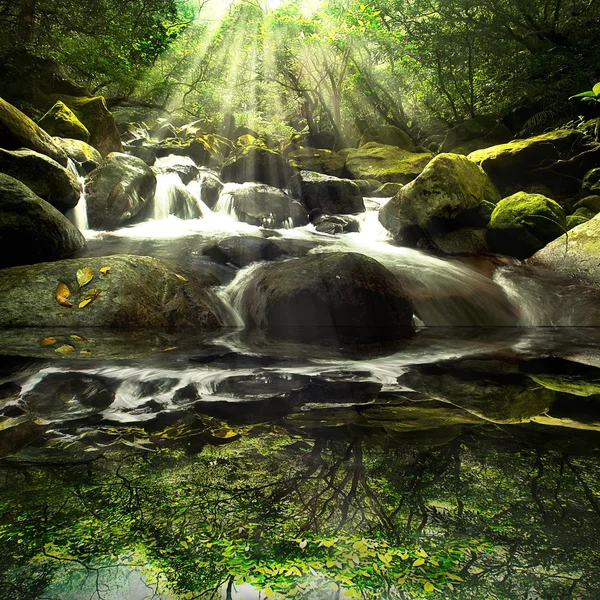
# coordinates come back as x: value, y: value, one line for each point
x: 78, y: 215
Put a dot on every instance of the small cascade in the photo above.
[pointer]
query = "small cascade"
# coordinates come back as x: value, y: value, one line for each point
x: 78, y: 215
x: 225, y: 202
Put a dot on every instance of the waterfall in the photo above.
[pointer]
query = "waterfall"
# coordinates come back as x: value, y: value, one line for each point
x: 78, y: 215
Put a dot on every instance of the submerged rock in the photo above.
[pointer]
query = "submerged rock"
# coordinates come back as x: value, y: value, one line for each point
x: 118, y: 190
x: 343, y: 291
x: 138, y: 291
x: 477, y: 133
x: 17, y: 131
x: 31, y: 229
x: 330, y: 195
x: 258, y: 165
x: 61, y: 121
x: 318, y: 160
x: 243, y: 250
x: 524, y: 223
x: 43, y: 176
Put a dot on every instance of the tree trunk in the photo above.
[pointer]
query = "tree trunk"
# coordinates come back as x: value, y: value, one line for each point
x: 26, y: 22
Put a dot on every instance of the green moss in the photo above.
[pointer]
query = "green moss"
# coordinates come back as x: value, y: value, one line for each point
x: 62, y: 122
x: 317, y: 159
x: 388, y: 135
x: 568, y: 385
x: 580, y: 216
x: 591, y: 203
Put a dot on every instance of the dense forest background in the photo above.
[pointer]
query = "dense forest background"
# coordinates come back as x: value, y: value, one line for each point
x: 323, y: 68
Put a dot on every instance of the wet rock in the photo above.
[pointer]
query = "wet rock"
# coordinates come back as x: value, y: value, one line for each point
x: 333, y: 224
x: 480, y: 132
x: 118, y: 190
x: 524, y: 223
x: 387, y: 190
x: 163, y: 131
x: 32, y: 230
x: 43, y: 176
x: 338, y: 290
x: 385, y: 163
x: 451, y: 194
x: 579, y: 217
x: 591, y: 183
x: 137, y: 292
x: 389, y: 136
x: 210, y: 189
x: 318, y: 160
x: 61, y: 121
x: 261, y: 385
x: 322, y: 392
x: 18, y: 131
x: 243, y: 250
x: 184, y: 167
x: 84, y: 155
x: 257, y: 165
x: 146, y: 153
x: 329, y: 194
x: 266, y: 206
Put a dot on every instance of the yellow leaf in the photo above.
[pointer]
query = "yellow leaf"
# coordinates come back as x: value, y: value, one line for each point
x: 180, y: 277
x: 330, y: 563
x: 404, y: 556
x: 328, y: 543
x: 84, y: 276
x: 422, y: 553
x: 454, y: 577
x: 85, y: 302
x: 105, y: 270
x: 48, y: 341
x: 89, y: 298
x: 224, y: 433
x: 62, y: 293
x: 65, y: 349
x: 418, y: 562
x: 184, y: 544
x: 78, y: 339
x: 269, y: 593
x: 428, y: 587
x: 85, y: 352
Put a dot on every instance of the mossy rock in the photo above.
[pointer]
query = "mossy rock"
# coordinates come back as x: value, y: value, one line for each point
x: 80, y: 152
x: 477, y: 133
x: 385, y: 163
x: 257, y: 165
x: 17, y: 131
x: 591, y: 183
x: 577, y: 386
x: 580, y: 216
x: 524, y: 223
x: 387, y: 190
x: 31, y: 229
x: 591, y: 203
x: 94, y: 114
x: 60, y: 121
x: 138, y: 291
x: 319, y: 160
x: 388, y: 135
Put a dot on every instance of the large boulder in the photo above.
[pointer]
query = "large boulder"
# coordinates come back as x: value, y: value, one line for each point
x: 474, y: 134
x: 137, y: 291
x: 317, y: 159
x: 388, y: 135
x: 61, y: 121
x: 263, y: 205
x: 511, y: 165
x: 258, y: 165
x: 343, y: 291
x: 31, y: 230
x: 385, y: 163
x: 42, y: 175
x: 82, y: 154
x: 17, y: 131
x: 591, y: 183
x: 94, y: 114
x: 118, y: 190
x: 524, y: 223
x: 451, y: 194
x: 330, y: 195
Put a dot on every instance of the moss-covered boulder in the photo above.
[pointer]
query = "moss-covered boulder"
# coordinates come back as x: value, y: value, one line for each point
x: 331, y: 195
x: 118, y: 190
x: 591, y: 183
x: 138, y: 291
x: 17, y: 131
x: 387, y: 190
x: 477, y: 133
x: 94, y: 114
x: 61, y: 121
x: 317, y: 159
x: 385, y: 163
x: 388, y: 135
x: 512, y: 165
x: 208, y: 150
x: 524, y: 223
x: 31, y: 230
x: 580, y: 216
x: 591, y: 203
x: 86, y: 157
x: 43, y: 176
x: 263, y: 205
x: 257, y: 165
x: 451, y: 194
x: 343, y: 291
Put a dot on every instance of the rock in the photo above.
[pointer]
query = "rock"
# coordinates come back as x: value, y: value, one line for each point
x: 118, y: 190
x: 387, y: 190
x: 146, y: 153
x: 343, y: 291
x: 43, y: 176
x: 84, y: 155
x: 139, y: 291
x: 451, y: 194
x: 208, y: 150
x: 315, y: 140
x: 98, y: 120
x: 264, y: 206
x: 317, y: 159
x: 17, y: 131
x: 591, y: 203
x: 482, y: 132
x: 183, y: 166
x: 333, y: 224
x: 163, y: 131
x: 243, y: 250
x: 367, y: 186
x: 60, y: 121
x: 511, y: 165
x: 385, y: 163
x: 580, y: 216
x: 31, y: 230
x: 577, y: 257
x: 329, y: 194
x: 257, y: 165
x: 210, y: 189
x: 389, y: 136
x: 591, y: 183
x: 524, y: 223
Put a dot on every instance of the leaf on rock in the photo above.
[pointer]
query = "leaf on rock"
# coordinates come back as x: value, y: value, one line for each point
x: 84, y: 276
x: 89, y: 298
x: 105, y: 270
x: 48, y: 341
x: 224, y: 433
x: 62, y: 293
x: 85, y: 352
x: 180, y: 277
x: 65, y: 349
x: 78, y: 339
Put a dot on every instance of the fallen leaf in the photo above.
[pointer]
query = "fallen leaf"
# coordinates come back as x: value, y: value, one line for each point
x: 85, y: 352
x: 224, y: 433
x: 65, y: 349
x: 62, y: 293
x: 84, y: 276
x: 78, y: 339
x: 105, y: 270
x: 48, y: 341
x: 89, y: 298
x: 180, y: 277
